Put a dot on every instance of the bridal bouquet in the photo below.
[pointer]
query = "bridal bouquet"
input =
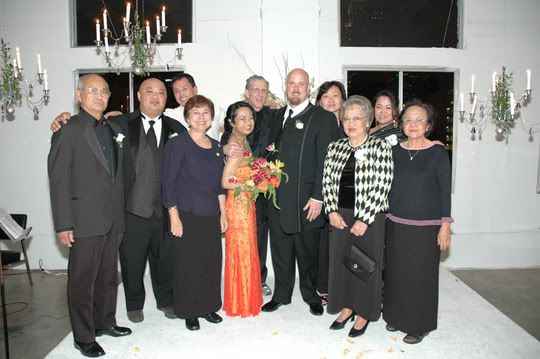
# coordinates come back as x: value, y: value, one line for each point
x: 260, y: 176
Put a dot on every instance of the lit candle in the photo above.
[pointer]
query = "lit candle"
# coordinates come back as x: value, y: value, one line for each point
x: 45, y: 80
x: 179, y: 38
x: 148, y: 32
x: 512, y: 103
x: 461, y: 101
x: 494, y: 81
x: 105, y: 20
x: 472, y: 83
x: 38, y: 63
x: 98, y: 31
x: 106, y: 38
x: 528, y: 79
x: 158, y: 25
x: 125, y: 27
x: 163, y: 16
x: 15, y: 72
x: 18, y: 56
x: 473, y: 105
x: 128, y: 10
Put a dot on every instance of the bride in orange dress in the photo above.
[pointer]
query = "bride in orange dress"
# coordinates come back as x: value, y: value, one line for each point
x: 242, y: 294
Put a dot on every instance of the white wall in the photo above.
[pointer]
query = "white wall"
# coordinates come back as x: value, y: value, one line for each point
x: 495, y: 205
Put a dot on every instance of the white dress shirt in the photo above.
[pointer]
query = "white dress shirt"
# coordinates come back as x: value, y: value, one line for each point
x: 157, y: 125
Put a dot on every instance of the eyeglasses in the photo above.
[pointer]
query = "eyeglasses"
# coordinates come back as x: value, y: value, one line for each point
x: 258, y: 90
x: 94, y: 92
x: 354, y: 119
x: 416, y: 121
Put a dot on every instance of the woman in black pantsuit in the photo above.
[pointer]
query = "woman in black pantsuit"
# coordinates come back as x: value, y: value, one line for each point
x: 418, y: 227
x: 356, y: 181
x: 192, y: 192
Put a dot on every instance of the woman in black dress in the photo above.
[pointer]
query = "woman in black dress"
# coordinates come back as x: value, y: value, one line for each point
x: 386, y: 114
x: 418, y: 227
x: 191, y: 190
x: 356, y: 180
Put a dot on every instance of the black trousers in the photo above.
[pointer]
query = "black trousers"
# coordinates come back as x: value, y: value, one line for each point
x: 304, y: 247
x: 261, y: 206
x: 146, y: 240
x: 322, y: 279
x: 93, y: 284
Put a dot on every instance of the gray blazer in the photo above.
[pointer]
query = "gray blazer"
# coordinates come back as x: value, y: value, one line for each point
x: 85, y: 197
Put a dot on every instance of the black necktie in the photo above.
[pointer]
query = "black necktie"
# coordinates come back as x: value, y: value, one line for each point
x: 151, y: 136
x: 288, y: 120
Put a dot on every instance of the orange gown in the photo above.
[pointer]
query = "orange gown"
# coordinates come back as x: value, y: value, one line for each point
x: 242, y: 293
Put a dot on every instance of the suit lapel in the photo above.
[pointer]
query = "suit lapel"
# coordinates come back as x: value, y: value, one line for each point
x: 117, y: 155
x: 90, y: 137
x: 134, y: 128
x: 166, y: 131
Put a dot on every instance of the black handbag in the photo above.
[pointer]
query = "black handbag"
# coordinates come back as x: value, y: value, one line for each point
x: 359, y: 263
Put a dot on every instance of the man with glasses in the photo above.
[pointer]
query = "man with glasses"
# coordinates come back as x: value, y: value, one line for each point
x: 146, y: 131
x: 86, y: 189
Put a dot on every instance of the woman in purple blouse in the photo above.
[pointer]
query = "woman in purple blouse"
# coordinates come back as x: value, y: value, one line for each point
x: 191, y: 190
x: 418, y: 226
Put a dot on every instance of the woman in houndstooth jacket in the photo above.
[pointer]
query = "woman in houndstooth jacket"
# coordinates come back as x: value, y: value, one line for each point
x: 357, y: 176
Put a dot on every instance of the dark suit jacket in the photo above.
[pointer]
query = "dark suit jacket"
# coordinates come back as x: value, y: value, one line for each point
x: 131, y: 127
x: 303, y: 151
x: 85, y: 197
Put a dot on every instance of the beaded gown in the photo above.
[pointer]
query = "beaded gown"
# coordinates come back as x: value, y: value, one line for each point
x: 242, y: 293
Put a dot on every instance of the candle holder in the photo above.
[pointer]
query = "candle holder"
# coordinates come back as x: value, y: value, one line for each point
x: 500, y: 107
x: 140, y: 46
x: 14, y: 88
x: 179, y: 53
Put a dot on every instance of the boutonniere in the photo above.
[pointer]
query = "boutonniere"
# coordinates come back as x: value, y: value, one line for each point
x: 360, y: 154
x: 120, y: 139
x: 392, y: 140
x: 174, y: 134
x: 299, y: 124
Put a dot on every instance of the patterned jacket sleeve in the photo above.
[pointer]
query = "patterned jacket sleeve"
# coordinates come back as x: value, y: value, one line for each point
x: 330, y: 195
x: 376, y: 199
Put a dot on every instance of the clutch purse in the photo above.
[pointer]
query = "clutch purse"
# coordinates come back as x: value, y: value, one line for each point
x: 359, y: 263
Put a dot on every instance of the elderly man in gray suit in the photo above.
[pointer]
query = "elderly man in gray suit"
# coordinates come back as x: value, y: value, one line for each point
x: 86, y: 189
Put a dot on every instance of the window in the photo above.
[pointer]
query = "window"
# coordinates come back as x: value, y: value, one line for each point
x: 179, y: 15
x: 388, y: 23
x: 436, y: 88
x: 125, y: 85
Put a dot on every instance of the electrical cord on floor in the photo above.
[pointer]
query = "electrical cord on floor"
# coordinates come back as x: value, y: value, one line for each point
x: 24, y: 306
x: 49, y: 272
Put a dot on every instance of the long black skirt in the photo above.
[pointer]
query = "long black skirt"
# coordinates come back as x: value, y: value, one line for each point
x: 345, y: 290
x: 411, y: 277
x: 197, y: 261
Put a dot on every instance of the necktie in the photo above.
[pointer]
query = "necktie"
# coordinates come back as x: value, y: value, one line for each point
x: 288, y: 120
x: 151, y: 136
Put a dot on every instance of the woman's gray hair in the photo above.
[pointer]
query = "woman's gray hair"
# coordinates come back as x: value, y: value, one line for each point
x: 361, y: 101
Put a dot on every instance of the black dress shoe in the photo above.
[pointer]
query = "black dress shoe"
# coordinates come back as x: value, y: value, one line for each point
x: 340, y: 325
x: 316, y: 308
x: 357, y: 332
x: 213, y: 318
x: 92, y: 350
x: 114, y: 331
x: 271, y: 306
x: 192, y: 324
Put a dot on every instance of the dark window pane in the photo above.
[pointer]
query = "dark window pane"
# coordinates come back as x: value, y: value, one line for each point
x: 368, y: 83
x: 436, y: 88
x: 387, y: 23
x: 178, y: 16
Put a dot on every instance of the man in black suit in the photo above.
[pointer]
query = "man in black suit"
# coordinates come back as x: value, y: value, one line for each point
x: 256, y: 92
x: 146, y: 132
x: 302, y: 133
x: 86, y: 189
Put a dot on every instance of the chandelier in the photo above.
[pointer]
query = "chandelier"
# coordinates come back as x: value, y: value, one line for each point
x: 501, y: 107
x: 141, y: 43
x: 14, y: 88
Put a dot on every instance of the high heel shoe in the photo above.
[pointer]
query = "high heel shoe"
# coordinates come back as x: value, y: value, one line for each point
x: 357, y: 332
x: 340, y: 325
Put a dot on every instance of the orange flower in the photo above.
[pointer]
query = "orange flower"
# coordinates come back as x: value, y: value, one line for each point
x: 274, y: 181
x: 263, y: 186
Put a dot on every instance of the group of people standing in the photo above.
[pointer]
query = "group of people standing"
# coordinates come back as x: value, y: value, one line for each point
x: 385, y: 190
